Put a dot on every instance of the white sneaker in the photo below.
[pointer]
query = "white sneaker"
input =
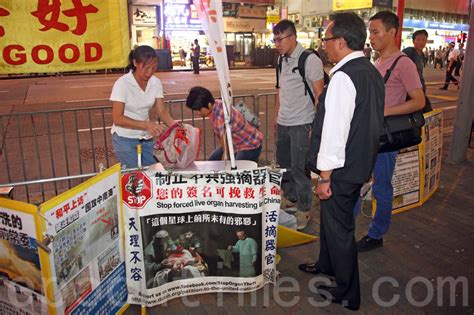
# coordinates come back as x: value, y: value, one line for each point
x: 302, y: 219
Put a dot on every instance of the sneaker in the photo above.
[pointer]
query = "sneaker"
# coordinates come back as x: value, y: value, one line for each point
x: 443, y: 88
x: 368, y: 243
x: 290, y: 210
x: 302, y: 219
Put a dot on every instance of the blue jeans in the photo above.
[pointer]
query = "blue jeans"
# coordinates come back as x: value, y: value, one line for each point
x: 383, y: 194
x: 249, y: 155
x: 126, y: 151
x: 292, y: 144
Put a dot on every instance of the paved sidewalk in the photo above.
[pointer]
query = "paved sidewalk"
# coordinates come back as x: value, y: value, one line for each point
x: 424, y: 247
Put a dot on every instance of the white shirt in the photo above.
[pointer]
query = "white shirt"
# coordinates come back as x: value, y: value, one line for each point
x: 340, y: 105
x: 137, y: 102
x: 454, y: 54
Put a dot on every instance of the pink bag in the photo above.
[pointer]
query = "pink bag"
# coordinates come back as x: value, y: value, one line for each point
x: 178, y: 146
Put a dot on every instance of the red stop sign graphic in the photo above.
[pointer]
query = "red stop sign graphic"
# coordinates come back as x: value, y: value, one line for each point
x: 136, y: 189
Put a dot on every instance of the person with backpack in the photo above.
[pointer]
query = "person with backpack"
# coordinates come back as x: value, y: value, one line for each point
x: 402, y: 80
x: 247, y: 140
x: 299, y: 83
x: 415, y: 53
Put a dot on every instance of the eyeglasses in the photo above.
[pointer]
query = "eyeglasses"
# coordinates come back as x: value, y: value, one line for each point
x: 326, y: 39
x: 278, y: 40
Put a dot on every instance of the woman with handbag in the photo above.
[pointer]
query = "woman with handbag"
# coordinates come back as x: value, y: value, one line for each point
x: 137, y: 103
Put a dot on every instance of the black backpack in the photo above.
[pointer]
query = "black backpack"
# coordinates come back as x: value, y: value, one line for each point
x: 301, y: 68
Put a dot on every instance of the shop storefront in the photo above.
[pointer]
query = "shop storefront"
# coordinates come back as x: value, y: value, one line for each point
x: 145, y: 26
x: 174, y: 25
x: 439, y: 34
x: 243, y: 35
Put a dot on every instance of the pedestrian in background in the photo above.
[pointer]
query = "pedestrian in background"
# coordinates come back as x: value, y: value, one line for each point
x: 439, y: 58
x: 137, y: 104
x: 196, y: 55
x: 450, y: 66
x: 367, y: 51
x: 460, y: 60
x: 348, y: 126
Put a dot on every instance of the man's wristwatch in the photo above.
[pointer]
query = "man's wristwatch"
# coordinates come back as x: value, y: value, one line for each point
x: 323, y: 181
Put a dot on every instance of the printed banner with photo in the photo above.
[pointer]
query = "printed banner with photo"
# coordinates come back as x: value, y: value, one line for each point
x: 406, y: 179
x: 21, y: 285
x: 432, y: 152
x: 67, y: 35
x: 195, y: 233
x: 87, y: 260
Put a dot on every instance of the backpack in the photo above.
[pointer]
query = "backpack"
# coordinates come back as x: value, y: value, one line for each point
x: 178, y: 146
x: 411, y: 53
x: 301, y: 69
x: 249, y: 116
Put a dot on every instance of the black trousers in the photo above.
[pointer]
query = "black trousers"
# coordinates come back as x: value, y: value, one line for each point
x: 196, y: 65
x: 338, y: 253
x: 449, y: 75
x: 458, y: 69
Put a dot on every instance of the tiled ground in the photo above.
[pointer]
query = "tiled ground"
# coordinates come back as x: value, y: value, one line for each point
x: 424, y: 247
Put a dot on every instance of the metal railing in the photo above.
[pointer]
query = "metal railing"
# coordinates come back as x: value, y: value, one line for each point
x: 46, y: 153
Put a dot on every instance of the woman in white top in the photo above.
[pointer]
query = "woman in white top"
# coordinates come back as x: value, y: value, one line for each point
x: 137, y: 104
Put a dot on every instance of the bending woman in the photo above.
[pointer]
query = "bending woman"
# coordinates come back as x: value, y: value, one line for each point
x: 137, y: 104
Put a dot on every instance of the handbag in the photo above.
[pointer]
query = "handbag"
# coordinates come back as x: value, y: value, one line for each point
x: 178, y: 146
x: 400, y: 131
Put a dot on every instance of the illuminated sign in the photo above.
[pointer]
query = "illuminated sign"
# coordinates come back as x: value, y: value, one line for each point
x: 180, y: 15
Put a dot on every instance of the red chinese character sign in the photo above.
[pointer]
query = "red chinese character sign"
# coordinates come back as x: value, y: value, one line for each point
x: 195, y: 220
x: 63, y: 35
x: 136, y: 190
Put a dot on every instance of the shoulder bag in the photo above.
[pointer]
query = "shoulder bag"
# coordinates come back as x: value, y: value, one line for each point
x: 400, y: 131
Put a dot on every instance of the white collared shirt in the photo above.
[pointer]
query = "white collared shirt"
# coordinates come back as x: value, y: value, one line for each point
x: 137, y: 102
x: 339, y: 105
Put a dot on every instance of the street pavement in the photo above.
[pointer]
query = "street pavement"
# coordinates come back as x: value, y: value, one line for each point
x: 424, y: 248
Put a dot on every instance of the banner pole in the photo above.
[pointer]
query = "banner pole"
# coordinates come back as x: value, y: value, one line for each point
x: 211, y: 17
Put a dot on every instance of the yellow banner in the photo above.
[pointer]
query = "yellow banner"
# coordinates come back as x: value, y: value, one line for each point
x: 66, y: 35
x: 339, y: 5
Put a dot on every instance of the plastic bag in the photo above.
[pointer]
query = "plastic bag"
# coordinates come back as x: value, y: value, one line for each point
x: 178, y: 147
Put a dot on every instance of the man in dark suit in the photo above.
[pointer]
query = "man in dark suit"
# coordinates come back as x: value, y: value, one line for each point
x: 346, y: 133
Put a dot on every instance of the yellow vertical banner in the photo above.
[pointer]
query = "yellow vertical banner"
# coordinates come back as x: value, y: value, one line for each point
x: 66, y: 35
x: 86, y: 264
x: 21, y: 283
x: 432, y: 152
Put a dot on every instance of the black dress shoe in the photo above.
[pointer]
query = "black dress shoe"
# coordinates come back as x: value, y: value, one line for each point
x: 313, y: 269
x: 327, y: 293
x: 443, y: 88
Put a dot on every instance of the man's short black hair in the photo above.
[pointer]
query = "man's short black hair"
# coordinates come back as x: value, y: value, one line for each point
x: 199, y: 97
x: 351, y: 27
x: 389, y: 20
x: 419, y: 32
x: 284, y: 25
